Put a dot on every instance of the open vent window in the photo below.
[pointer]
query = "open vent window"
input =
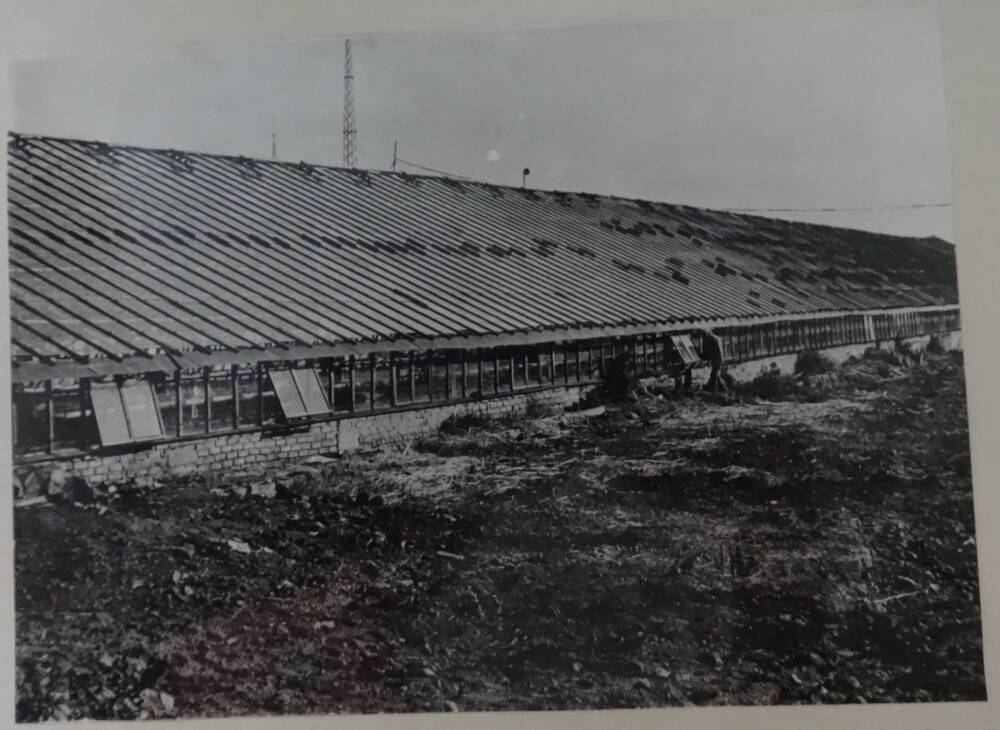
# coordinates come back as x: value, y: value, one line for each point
x: 126, y: 412
x: 685, y: 349
x: 299, y: 392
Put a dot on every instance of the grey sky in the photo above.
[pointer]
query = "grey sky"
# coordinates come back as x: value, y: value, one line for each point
x: 788, y: 110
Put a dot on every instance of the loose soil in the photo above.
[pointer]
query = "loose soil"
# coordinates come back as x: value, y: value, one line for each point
x: 814, y: 547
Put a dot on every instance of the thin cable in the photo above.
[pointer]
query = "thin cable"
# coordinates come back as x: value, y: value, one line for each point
x: 838, y: 210
x: 400, y: 160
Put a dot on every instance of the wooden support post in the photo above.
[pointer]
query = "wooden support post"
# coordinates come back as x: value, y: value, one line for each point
x: 206, y: 384
x: 234, y: 372
x: 576, y: 349
x: 510, y: 375
x: 465, y: 374
x: 371, y: 382
x: 496, y: 374
x: 350, y: 382
x: 50, y: 413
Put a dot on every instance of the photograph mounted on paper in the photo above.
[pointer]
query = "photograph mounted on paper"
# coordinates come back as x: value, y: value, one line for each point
x: 615, y: 366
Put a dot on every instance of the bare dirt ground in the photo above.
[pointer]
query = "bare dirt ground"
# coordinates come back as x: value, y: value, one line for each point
x: 814, y: 546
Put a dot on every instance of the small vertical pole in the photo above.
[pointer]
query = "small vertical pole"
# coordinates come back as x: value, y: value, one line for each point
x: 510, y: 375
x: 479, y: 372
x: 234, y: 371
x: 178, y: 405
x: 350, y: 381
x: 465, y: 374
x: 84, y: 384
x: 371, y: 382
x: 50, y: 416
x: 333, y: 373
x: 527, y: 370
x: 206, y: 384
x: 552, y: 364
x: 261, y: 374
x: 496, y: 374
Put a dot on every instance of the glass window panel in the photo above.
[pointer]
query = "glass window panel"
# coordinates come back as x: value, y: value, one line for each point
x: 311, y: 391
x: 193, y: 404
x: 383, y: 383
x: 559, y: 365
x: 288, y: 394
x: 503, y: 373
x: 221, y: 388
x: 341, y: 395
x: 269, y: 403
x: 246, y: 391
x: 112, y: 425
x: 533, y: 367
x: 163, y: 387
x: 32, y: 420
x: 403, y: 378
x: 584, y: 363
x: 640, y: 350
x: 572, y: 372
x: 362, y: 383
x: 595, y: 362
x: 73, y: 427
x: 440, y: 375
x: 488, y: 365
x: 140, y: 407
x: 456, y: 375
x: 471, y: 377
x: 544, y: 367
x: 421, y: 381
x: 520, y: 370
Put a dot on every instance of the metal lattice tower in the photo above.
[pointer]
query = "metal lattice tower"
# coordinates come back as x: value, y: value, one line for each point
x: 350, y: 133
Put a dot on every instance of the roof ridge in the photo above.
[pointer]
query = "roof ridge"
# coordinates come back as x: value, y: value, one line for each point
x: 13, y: 136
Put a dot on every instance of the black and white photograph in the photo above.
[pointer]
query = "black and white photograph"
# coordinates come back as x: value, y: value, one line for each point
x: 606, y: 366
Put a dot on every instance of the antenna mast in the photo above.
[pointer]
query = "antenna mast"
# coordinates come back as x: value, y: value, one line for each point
x: 350, y: 133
